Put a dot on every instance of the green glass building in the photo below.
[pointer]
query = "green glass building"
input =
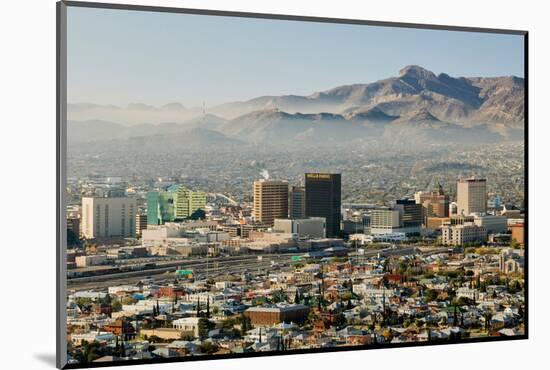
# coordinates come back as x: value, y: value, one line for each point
x: 160, y: 207
x: 175, y: 204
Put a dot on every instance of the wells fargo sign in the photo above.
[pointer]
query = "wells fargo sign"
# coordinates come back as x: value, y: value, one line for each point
x: 321, y: 176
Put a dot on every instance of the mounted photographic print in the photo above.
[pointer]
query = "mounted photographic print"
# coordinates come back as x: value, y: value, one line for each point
x: 236, y: 185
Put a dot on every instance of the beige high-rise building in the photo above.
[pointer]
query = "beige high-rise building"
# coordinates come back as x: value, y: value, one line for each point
x: 108, y: 217
x: 270, y: 200
x: 297, y: 202
x: 471, y: 196
x: 384, y: 219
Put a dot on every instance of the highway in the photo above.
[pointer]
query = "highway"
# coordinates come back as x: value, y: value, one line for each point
x: 200, y: 267
x: 233, y: 265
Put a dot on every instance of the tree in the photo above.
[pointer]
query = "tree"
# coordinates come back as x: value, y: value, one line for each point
x: 205, y: 326
x: 429, y: 275
x: 279, y: 296
x: 72, y: 239
x: 208, y: 347
x: 83, y: 301
x: 464, y: 301
x: 89, y: 352
x: 246, y: 324
x: 116, y: 305
x: 431, y: 295
x: 346, y: 296
x: 128, y: 300
x: 116, y: 351
x: 340, y: 320
x: 455, y: 315
x: 208, y: 307
x: 487, y: 321
x: 199, y: 214
x: 106, y: 300
x: 122, y: 350
x: 155, y: 339
x: 187, y: 337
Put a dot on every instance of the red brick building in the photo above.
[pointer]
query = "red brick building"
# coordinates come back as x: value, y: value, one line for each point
x: 170, y: 292
x: 121, y: 328
x: 273, y: 314
x: 517, y: 233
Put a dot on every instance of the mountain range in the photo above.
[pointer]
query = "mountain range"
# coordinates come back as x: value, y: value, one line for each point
x: 416, y: 106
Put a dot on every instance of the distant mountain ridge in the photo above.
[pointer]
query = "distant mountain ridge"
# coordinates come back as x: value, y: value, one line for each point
x: 418, y: 106
x: 460, y: 100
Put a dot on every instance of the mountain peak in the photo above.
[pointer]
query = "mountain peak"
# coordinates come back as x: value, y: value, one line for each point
x: 421, y: 115
x: 416, y: 72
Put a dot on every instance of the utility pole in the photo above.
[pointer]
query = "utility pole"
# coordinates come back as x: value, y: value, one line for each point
x: 259, y: 264
x: 355, y: 241
x: 207, y: 263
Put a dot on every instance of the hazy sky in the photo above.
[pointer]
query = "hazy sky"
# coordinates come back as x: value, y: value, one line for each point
x: 120, y: 57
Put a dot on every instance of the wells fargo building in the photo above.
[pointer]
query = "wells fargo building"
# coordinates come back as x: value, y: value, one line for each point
x: 323, y: 199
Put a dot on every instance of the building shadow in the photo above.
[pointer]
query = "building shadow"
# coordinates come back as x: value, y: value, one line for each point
x: 46, y: 358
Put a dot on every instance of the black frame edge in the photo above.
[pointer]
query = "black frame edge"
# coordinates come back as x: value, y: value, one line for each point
x: 287, y: 17
x: 61, y: 237
x: 291, y: 352
x: 526, y: 180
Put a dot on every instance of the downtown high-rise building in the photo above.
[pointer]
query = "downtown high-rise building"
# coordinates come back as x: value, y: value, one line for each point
x: 187, y: 202
x: 324, y: 199
x: 141, y: 223
x: 175, y: 204
x: 297, y: 202
x: 106, y: 217
x: 270, y: 200
x: 160, y: 207
x: 410, y: 213
x: 471, y: 196
x: 385, y: 220
x: 434, y: 204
